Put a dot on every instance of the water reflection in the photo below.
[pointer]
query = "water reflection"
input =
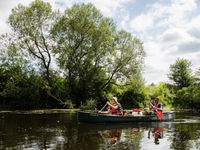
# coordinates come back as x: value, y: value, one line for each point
x: 186, y: 136
x: 115, y: 135
x: 120, y: 139
x: 62, y: 131
x: 157, y: 134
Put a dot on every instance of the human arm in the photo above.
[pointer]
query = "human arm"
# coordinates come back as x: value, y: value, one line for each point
x: 104, y: 112
x: 150, y: 106
x: 159, y: 107
x: 112, y: 106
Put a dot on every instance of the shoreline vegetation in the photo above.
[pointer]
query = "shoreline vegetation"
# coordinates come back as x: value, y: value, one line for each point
x: 55, y: 111
x: 39, y: 111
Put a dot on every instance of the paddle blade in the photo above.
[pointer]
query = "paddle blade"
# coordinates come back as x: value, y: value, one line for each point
x: 159, y: 114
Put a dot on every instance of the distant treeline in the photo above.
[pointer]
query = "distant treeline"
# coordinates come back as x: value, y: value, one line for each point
x: 78, y: 58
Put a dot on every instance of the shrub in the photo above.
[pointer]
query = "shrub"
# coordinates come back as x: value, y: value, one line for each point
x: 90, y: 104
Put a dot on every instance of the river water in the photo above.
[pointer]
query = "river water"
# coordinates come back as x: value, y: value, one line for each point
x: 62, y: 131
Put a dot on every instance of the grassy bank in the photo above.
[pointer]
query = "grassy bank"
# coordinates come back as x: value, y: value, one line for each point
x: 42, y: 111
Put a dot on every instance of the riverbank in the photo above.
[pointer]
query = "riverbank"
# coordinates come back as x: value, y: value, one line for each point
x: 42, y: 111
x: 52, y: 111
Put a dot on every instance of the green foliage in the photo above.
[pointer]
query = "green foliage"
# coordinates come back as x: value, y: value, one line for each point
x: 131, y: 99
x: 180, y: 73
x: 188, y: 97
x: 93, y: 53
x: 32, y: 33
x: 163, y: 92
x: 90, y: 104
x: 186, y: 89
x: 69, y: 104
x: 93, y: 57
x: 18, y: 88
x: 183, y: 136
x: 133, y: 95
x: 87, y: 34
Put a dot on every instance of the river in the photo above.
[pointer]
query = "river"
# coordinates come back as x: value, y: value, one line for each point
x: 62, y: 131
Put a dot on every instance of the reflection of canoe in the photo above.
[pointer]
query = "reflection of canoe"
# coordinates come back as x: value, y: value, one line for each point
x: 85, y: 128
x: 100, y: 118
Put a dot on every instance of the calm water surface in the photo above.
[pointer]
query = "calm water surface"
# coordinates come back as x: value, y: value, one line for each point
x: 62, y: 131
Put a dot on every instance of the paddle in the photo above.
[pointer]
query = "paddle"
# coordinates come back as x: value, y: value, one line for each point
x: 159, y: 113
x: 103, y: 107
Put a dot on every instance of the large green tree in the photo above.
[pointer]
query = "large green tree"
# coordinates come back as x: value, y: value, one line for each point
x: 181, y: 73
x: 32, y: 26
x: 187, y: 91
x: 32, y: 37
x: 92, y: 52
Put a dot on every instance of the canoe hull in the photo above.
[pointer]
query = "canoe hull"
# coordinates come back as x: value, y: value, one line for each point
x: 103, y: 118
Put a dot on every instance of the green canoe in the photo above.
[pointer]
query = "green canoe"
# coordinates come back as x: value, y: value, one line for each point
x: 102, y: 118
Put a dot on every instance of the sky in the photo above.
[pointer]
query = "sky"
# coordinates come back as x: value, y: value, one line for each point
x: 169, y: 29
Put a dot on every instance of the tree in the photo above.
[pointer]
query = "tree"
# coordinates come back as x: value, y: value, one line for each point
x: 133, y: 95
x: 126, y: 58
x: 83, y: 36
x: 92, y: 52
x: 32, y: 37
x: 19, y: 86
x: 180, y: 73
x: 197, y: 76
x: 32, y: 26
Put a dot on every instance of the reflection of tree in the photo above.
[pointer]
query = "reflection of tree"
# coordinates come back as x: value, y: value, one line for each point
x: 60, y: 131
x: 45, y: 131
x: 184, y: 135
x: 75, y: 139
x: 20, y: 131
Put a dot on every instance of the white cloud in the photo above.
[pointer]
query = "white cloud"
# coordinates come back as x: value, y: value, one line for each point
x: 124, y: 22
x: 193, y: 27
x: 194, y: 32
x: 174, y: 33
x: 160, y: 15
x: 155, y: 68
x: 5, y: 11
x: 189, y: 47
x: 110, y: 8
x: 142, y: 22
x: 174, y: 15
x: 171, y: 36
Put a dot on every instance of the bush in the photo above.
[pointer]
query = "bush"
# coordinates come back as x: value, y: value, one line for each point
x: 69, y: 104
x: 90, y: 104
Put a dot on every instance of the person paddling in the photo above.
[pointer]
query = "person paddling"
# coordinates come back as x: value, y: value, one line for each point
x: 156, y: 105
x: 116, y: 108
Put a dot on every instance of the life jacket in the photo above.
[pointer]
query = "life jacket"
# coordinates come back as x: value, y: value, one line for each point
x: 159, y: 132
x: 157, y: 106
x: 115, y: 133
x: 118, y: 111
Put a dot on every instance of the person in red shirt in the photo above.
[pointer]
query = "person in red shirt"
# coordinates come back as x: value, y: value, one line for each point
x: 156, y: 106
x: 115, y: 135
x: 157, y: 133
x: 115, y: 107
